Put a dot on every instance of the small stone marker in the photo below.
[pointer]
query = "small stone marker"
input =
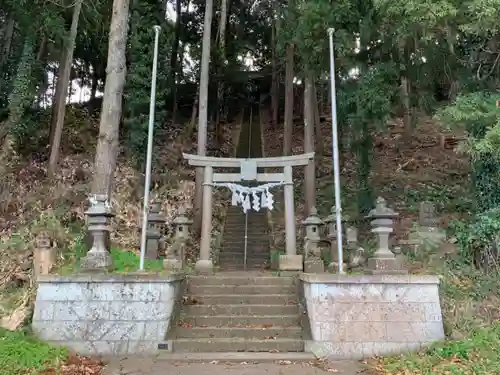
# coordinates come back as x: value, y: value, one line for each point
x: 383, y: 260
x: 99, y: 216
x: 44, y: 256
x: 427, y: 214
x: 153, y: 234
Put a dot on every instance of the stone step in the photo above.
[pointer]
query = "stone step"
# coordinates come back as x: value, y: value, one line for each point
x: 258, y: 258
x: 241, y: 289
x: 238, y: 259
x: 252, y: 299
x: 258, y: 238
x: 260, y: 333
x: 237, y: 345
x: 240, y: 309
x: 229, y: 265
x: 218, y: 280
x: 241, y: 321
x: 240, y: 226
x: 236, y: 357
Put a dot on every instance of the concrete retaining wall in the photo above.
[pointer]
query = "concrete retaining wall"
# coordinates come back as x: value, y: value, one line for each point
x: 352, y: 317
x: 106, y: 314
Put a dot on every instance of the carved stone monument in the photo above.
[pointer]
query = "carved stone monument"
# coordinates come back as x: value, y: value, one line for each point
x: 383, y: 260
x: 312, y: 251
x: 426, y: 235
x: 99, y: 216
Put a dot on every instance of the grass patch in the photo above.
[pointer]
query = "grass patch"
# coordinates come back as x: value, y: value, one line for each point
x: 124, y: 261
x: 478, y: 354
x: 23, y: 354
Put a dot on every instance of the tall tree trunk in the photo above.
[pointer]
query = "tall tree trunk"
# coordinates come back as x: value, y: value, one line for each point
x: 62, y: 89
x: 6, y: 45
x: 275, y: 91
x: 174, y: 58
x: 320, y: 149
x: 220, y: 83
x: 95, y: 83
x: 107, y: 144
x: 20, y: 97
x: 289, y: 92
x: 203, y: 110
x: 7, y: 40
x: 310, y: 173
x: 405, y: 99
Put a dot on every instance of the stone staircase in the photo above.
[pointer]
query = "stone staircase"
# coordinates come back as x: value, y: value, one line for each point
x: 239, y: 312
x: 232, y: 254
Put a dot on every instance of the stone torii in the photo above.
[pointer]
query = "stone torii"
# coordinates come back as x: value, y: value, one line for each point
x: 248, y: 172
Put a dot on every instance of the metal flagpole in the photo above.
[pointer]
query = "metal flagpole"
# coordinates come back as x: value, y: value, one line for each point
x: 149, y: 155
x: 335, y: 149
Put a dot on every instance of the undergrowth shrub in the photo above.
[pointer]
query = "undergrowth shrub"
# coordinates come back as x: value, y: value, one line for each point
x: 21, y: 353
x: 479, y: 239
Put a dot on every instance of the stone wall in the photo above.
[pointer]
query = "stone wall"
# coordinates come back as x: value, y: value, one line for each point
x: 106, y: 314
x: 352, y: 317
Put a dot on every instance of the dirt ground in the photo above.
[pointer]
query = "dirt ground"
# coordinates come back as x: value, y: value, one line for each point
x: 150, y: 366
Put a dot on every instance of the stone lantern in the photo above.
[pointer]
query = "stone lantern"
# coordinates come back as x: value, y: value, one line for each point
x: 182, y: 225
x: 383, y: 260
x: 331, y: 225
x: 99, y: 217
x: 175, y: 255
x: 153, y: 234
x: 312, y: 251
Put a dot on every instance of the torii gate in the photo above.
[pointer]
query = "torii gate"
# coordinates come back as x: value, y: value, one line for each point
x: 248, y: 172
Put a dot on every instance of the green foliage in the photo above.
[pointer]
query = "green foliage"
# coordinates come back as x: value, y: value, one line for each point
x: 479, y: 237
x: 144, y: 15
x: 479, y: 116
x: 24, y: 354
x: 127, y: 261
x: 367, y: 103
x: 123, y: 261
x: 21, y: 95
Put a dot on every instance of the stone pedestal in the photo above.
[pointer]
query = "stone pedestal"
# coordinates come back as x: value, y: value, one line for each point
x: 383, y: 260
x: 204, y: 267
x: 291, y: 263
x: 314, y: 265
x: 98, y: 258
x: 172, y: 264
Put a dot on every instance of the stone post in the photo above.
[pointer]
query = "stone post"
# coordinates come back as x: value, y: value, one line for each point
x: 290, y: 261
x: 44, y: 256
x: 351, y: 237
x: 312, y: 252
x: 153, y: 234
x: 383, y: 260
x: 205, y: 265
x: 331, y: 235
x: 175, y: 255
x: 99, y: 216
